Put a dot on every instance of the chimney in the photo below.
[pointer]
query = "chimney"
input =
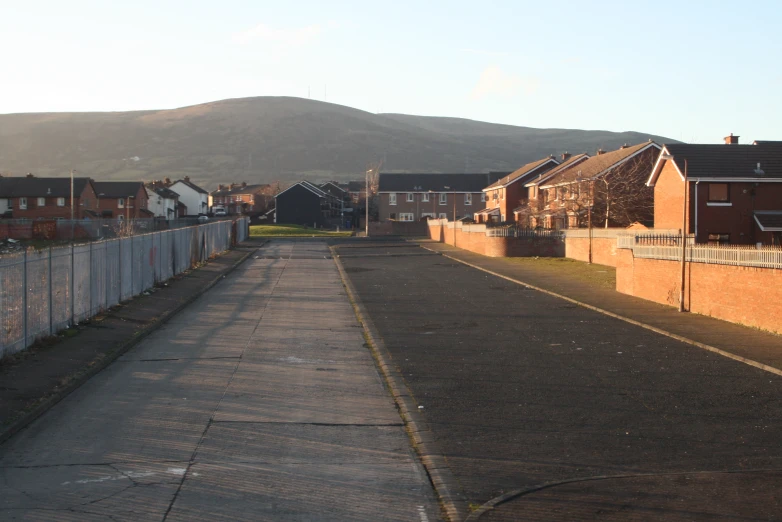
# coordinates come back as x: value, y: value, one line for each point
x: 167, y: 181
x: 624, y: 146
x: 30, y: 175
x: 600, y: 151
x: 219, y: 187
x: 732, y: 140
x: 187, y: 179
x: 244, y: 184
x: 565, y: 156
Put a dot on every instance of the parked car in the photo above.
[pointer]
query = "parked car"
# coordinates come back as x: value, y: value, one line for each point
x: 219, y: 211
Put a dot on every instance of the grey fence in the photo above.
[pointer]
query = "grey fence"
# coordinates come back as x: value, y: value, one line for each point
x: 44, y: 291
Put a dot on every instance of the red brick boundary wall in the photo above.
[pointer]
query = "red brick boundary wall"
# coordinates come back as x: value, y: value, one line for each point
x: 739, y: 294
x: 603, y: 249
x: 474, y: 239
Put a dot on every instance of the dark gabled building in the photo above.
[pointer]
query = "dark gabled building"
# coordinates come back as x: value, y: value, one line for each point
x: 122, y: 199
x: 412, y: 197
x: 734, y: 192
x: 305, y: 204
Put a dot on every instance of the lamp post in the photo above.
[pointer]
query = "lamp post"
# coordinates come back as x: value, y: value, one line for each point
x: 669, y: 157
x: 72, y: 232
x: 366, y: 202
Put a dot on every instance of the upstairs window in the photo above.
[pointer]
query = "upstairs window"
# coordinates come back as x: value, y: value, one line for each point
x: 22, y: 203
x: 719, y: 193
x: 483, y: 197
x: 443, y: 198
x: 392, y: 199
x: 121, y: 203
x: 425, y: 197
x: 41, y: 202
x: 60, y: 202
x: 410, y: 198
x: 468, y: 199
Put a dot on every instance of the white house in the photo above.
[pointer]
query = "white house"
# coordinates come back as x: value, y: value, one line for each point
x: 192, y: 196
x: 162, y: 202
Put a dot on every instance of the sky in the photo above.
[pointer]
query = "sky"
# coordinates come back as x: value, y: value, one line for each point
x: 689, y: 70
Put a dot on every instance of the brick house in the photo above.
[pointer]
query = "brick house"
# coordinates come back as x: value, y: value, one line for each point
x: 504, y: 195
x: 241, y: 198
x: 122, y: 200
x: 734, y: 192
x: 31, y: 197
x: 412, y: 197
x: 528, y: 211
x: 609, y: 186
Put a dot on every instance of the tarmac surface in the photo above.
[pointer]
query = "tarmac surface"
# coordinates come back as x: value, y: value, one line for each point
x: 258, y: 402
x: 570, y: 413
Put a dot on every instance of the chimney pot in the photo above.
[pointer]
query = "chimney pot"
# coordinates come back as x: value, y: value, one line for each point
x: 30, y: 175
x: 187, y: 179
x: 565, y: 156
x: 244, y: 184
x: 732, y: 140
x: 600, y: 151
x: 624, y: 146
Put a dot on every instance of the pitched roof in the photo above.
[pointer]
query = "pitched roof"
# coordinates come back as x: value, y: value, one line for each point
x: 356, y: 186
x: 578, y: 158
x: 117, y: 189
x: 724, y: 161
x: 247, y: 189
x: 41, y: 187
x: 332, y: 187
x: 163, y: 192
x: 307, y: 185
x: 596, y: 166
x: 525, y: 172
x: 391, y: 182
x: 769, y: 220
x: 191, y: 185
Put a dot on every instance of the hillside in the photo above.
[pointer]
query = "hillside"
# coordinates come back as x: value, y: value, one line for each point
x: 269, y: 138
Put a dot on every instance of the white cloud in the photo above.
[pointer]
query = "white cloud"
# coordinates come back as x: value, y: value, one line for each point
x: 496, y: 82
x: 286, y: 37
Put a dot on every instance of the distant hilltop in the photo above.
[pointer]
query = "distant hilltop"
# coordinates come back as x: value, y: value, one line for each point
x: 267, y: 139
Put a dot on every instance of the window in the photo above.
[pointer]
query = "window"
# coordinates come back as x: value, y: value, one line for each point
x: 393, y: 215
x: 121, y: 203
x: 22, y: 203
x: 443, y: 198
x: 60, y: 202
x: 406, y: 216
x: 483, y: 197
x: 468, y: 199
x: 719, y: 193
x: 719, y: 239
x: 409, y: 196
x: 41, y: 202
x: 428, y: 215
x: 392, y: 199
x: 425, y: 197
x: 443, y: 215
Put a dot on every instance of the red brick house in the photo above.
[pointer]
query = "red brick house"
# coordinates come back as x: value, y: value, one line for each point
x: 504, y: 195
x: 31, y: 197
x: 529, y: 209
x: 241, y: 198
x: 412, y: 197
x: 609, y: 186
x: 122, y: 199
x: 733, y: 192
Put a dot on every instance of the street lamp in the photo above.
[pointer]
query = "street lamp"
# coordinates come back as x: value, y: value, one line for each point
x: 669, y: 157
x: 366, y: 202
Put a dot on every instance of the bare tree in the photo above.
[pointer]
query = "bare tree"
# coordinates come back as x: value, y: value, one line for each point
x: 622, y: 197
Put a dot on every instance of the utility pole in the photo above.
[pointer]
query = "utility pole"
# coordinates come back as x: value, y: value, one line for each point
x: 366, y: 202
x: 684, y: 239
x: 72, y: 232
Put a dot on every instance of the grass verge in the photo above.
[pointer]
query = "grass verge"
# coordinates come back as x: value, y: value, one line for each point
x: 293, y: 231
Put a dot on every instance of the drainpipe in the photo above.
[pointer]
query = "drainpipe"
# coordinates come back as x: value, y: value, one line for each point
x: 697, y: 181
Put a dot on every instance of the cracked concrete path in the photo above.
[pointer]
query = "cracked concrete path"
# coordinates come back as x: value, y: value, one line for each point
x: 258, y: 402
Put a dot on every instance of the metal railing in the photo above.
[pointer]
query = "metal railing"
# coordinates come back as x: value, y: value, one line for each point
x: 652, y: 239
x: 515, y: 231
x: 45, y: 291
x: 764, y: 257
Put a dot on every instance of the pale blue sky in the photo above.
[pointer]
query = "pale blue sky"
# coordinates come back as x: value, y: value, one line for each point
x: 690, y: 70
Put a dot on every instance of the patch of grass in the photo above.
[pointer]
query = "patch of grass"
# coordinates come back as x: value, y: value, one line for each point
x: 599, y: 275
x: 293, y: 231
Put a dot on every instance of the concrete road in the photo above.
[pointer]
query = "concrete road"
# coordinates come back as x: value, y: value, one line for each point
x: 523, y: 389
x: 259, y: 402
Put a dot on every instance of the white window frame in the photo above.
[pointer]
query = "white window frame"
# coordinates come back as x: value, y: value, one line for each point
x: 443, y: 198
x: 410, y: 197
x: 406, y: 216
x: 443, y: 215
x: 392, y: 198
x: 428, y: 215
x: 467, y: 198
x: 425, y: 197
x: 483, y: 197
x: 121, y: 203
x: 22, y: 203
x: 41, y: 202
x: 60, y: 202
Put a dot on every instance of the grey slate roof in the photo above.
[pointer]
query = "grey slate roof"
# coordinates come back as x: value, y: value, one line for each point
x: 164, y: 192
x: 117, y: 189
x: 728, y: 161
x: 41, y: 187
x: 769, y: 220
x: 191, y: 185
x: 437, y: 182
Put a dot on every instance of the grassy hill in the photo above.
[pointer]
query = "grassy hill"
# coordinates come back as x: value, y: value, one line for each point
x: 270, y: 138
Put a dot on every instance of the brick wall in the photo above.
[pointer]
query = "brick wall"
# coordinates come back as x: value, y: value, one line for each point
x: 603, y: 250
x: 745, y: 295
x: 474, y: 239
